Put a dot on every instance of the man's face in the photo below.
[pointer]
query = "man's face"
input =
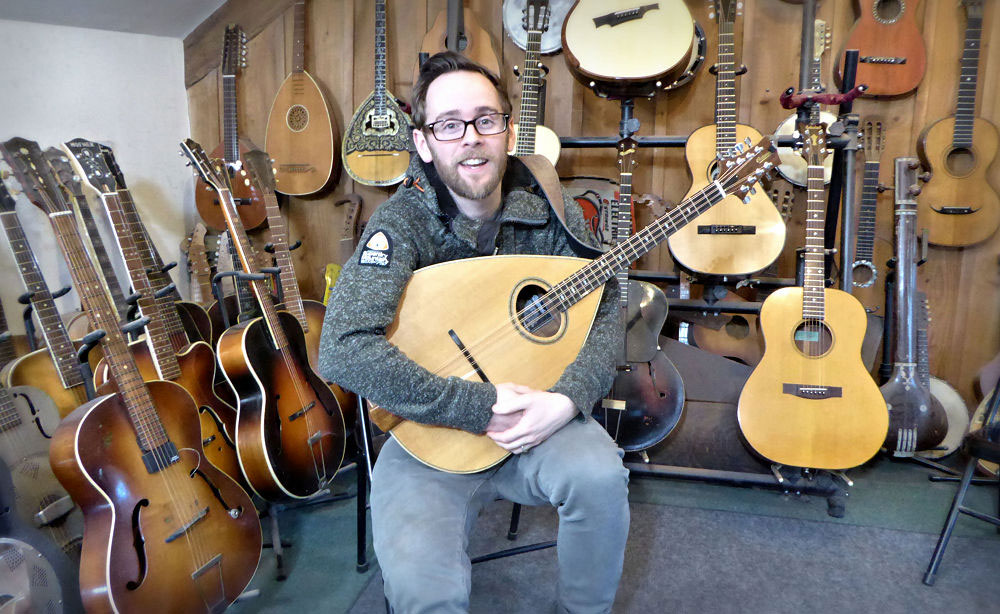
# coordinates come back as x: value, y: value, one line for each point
x: 473, y: 165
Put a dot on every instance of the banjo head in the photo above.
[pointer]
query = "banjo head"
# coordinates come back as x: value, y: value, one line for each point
x: 513, y: 24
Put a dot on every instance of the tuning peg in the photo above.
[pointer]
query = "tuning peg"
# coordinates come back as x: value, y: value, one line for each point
x: 746, y: 200
x: 748, y: 142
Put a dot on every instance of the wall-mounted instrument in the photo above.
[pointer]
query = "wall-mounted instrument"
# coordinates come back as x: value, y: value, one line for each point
x: 916, y: 419
x: 523, y: 318
x: 457, y: 29
x: 959, y: 205
x: 627, y: 47
x: 161, y: 355
x: 199, y: 269
x: 377, y: 142
x: 232, y: 147
x: 893, y: 57
x: 793, y: 165
x: 647, y: 396
x: 811, y: 402
x: 734, y: 238
x: 290, y: 432
x: 164, y: 530
x: 864, y: 270
x: 514, y: 12
x: 301, y: 135
x: 531, y: 135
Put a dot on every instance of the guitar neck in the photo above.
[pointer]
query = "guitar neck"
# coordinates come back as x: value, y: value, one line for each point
x: 283, y: 257
x: 198, y: 258
x: 380, y: 58
x: 923, y: 355
x: 965, y: 111
x: 865, y: 247
x: 10, y: 418
x: 82, y: 209
x: 53, y: 331
x: 299, y: 46
x: 7, y: 351
x: 531, y: 102
x: 623, y: 230
x: 230, y: 127
x: 814, y: 282
x: 725, y: 89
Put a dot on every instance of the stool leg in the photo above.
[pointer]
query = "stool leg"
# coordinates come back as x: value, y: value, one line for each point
x: 949, y: 524
x: 515, y: 519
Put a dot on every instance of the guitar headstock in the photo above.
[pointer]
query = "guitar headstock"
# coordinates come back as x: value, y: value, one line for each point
x: 234, y: 50
x: 258, y: 166
x: 212, y: 172
x: 28, y: 165
x: 626, y: 155
x: 725, y: 10
x: 973, y: 8
x: 7, y: 202
x: 88, y: 159
x: 64, y: 171
x: 536, y: 16
x: 112, y: 164
x: 821, y: 38
x: 813, y: 143
x: 872, y: 140
x: 745, y: 165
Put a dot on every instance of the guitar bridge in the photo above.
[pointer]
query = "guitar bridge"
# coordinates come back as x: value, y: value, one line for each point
x: 954, y: 210
x: 726, y: 229
x: 881, y: 59
x: 812, y: 392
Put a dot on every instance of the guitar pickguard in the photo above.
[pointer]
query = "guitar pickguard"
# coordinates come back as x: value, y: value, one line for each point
x: 370, y: 131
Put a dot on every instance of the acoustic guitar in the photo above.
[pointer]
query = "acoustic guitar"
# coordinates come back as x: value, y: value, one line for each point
x: 289, y: 428
x: 731, y: 239
x: 811, y: 402
x: 893, y: 56
x: 959, y: 206
x: 531, y: 136
x: 231, y: 149
x: 625, y: 48
x: 457, y: 29
x: 164, y: 529
x: 377, y: 142
x: 521, y: 318
x: 301, y: 135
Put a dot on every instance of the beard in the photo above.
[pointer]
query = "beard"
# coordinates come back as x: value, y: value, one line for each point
x: 452, y: 177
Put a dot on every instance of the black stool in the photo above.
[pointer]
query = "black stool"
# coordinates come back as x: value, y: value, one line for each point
x: 981, y: 444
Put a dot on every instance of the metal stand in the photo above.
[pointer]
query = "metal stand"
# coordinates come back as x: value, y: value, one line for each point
x: 29, y: 324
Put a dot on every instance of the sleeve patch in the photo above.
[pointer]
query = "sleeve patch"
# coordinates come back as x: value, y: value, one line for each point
x: 377, y: 251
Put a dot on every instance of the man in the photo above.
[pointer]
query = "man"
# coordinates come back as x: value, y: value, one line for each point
x: 463, y: 197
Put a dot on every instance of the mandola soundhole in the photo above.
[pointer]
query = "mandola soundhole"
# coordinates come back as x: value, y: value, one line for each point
x: 960, y: 161
x: 888, y: 11
x: 813, y: 338
x: 531, y: 315
x: 297, y: 118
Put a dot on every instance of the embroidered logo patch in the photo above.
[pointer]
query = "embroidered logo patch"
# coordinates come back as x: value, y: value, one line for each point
x: 377, y: 251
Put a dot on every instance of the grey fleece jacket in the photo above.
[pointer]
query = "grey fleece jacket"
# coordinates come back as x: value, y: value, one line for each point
x: 416, y: 233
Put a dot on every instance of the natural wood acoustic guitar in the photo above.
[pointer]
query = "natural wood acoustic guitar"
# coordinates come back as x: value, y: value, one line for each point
x: 811, y: 402
x: 301, y: 136
x: 521, y: 318
x: 458, y: 29
x: 734, y: 238
x: 531, y: 136
x: 892, y: 55
x: 377, y: 143
x: 959, y: 206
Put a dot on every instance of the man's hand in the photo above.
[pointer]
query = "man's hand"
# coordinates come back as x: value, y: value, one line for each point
x: 524, y: 417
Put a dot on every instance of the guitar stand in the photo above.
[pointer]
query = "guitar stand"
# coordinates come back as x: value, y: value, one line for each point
x: 88, y: 343
x: 29, y: 324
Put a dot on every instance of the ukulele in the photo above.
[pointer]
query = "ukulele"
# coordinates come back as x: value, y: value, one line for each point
x: 522, y: 318
x: 531, y: 136
x: 892, y: 57
x: 289, y: 430
x: 793, y: 166
x: 959, y: 205
x: 733, y: 238
x: 199, y: 268
x: 457, y: 29
x: 623, y: 48
x: 377, y: 142
x: 301, y: 136
x: 916, y: 419
x: 811, y: 402
x: 162, y: 354
x: 164, y: 530
x: 647, y: 396
x: 232, y: 148
x: 514, y: 13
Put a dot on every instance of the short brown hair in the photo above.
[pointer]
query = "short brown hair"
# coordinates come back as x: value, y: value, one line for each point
x: 441, y: 64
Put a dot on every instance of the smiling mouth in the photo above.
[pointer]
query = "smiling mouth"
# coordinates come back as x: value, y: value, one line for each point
x: 473, y: 162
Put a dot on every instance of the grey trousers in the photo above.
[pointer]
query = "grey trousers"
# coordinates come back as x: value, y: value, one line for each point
x: 421, y: 519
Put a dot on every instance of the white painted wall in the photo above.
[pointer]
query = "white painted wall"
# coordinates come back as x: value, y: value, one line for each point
x: 125, y: 90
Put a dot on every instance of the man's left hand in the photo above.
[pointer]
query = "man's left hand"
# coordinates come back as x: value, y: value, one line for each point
x: 544, y: 413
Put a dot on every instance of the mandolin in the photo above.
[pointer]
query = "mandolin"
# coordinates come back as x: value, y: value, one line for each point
x: 892, y: 57
x: 377, y: 143
x: 531, y: 136
x: 289, y: 428
x: 457, y: 29
x: 625, y: 48
x: 810, y: 402
x: 733, y: 238
x: 301, y: 135
x: 959, y: 205
x: 522, y: 318
x: 161, y: 355
x: 232, y: 147
x: 164, y: 529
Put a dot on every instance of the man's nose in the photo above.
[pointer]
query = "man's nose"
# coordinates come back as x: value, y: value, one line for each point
x: 471, y: 136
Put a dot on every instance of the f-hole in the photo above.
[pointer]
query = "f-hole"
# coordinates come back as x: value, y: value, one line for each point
x: 34, y: 414
x: 205, y: 409
x: 215, y: 490
x: 139, y: 543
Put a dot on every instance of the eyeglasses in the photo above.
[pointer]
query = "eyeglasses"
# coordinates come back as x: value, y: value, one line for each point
x: 452, y: 129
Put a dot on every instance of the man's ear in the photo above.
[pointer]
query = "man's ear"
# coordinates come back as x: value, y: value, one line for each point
x: 420, y: 141
x: 511, y: 136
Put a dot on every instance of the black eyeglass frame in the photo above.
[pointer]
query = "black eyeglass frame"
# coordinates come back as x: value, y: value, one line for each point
x: 506, y: 126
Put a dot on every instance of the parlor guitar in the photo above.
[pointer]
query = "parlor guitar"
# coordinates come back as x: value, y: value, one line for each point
x: 289, y: 431
x: 457, y: 29
x: 165, y: 530
x: 731, y: 239
x: 531, y: 136
x: 301, y: 136
x: 522, y: 318
x: 232, y: 147
x: 959, y: 206
x: 892, y: 57
x: 377, y: 142
x: 811, y: 402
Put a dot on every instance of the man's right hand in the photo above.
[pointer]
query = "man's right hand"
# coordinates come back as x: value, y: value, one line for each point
x: 505, y: 394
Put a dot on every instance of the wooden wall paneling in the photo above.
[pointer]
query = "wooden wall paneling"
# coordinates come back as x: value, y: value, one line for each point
x: 203, y: 104
x: 260, y: 80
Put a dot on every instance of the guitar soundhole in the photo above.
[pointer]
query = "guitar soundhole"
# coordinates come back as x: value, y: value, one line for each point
x: 297, y: 118
x: 532, y: 315
x: 813, y: 338
x: 738, y: 327
x: 888, y: 11
x: 960, y: 161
